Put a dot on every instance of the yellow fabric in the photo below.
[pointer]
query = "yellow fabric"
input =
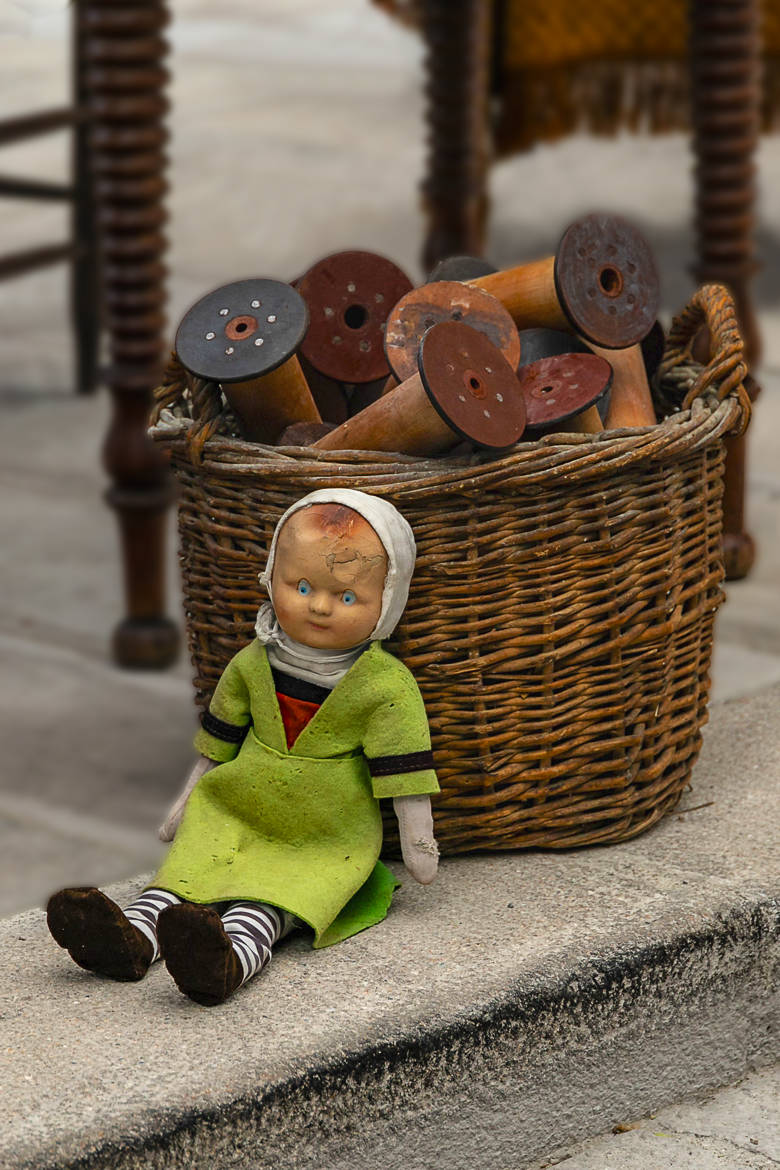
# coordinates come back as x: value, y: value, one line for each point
x: 598, y: 65
x: 541, y: 33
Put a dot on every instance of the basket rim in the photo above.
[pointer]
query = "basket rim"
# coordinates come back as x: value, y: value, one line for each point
x: 562, y: 455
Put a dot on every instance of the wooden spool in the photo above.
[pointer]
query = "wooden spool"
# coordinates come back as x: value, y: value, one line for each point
x: 445, y: 300
x: 653, y: 346
x: 349, y: 296
x: 561, y: 391
x: 245, y: 336
x: 630, y: 403
x: 538, y: 344
x: 464, y: 389
x: 460, y: 268
x: 602, y: 283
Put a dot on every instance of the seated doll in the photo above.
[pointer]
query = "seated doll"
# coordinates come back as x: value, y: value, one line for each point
x: 279, y: 824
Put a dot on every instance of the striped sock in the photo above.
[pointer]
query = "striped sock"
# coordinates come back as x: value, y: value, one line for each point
x: 146, y: 909
x: 253, y: 928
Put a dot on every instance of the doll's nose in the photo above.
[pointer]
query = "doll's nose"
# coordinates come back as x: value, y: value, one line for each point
x: 319, y: 602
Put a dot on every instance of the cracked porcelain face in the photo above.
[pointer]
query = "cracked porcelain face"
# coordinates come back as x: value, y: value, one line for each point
x: 328, y: 577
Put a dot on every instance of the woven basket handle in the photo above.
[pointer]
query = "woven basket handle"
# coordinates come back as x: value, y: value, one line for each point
x: 724, y: 375
x: 206, y: 403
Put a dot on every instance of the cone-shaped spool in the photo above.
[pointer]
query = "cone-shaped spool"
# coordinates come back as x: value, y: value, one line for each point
x: 602, y: 283
x: 465, y: 389
x: 245, y: 336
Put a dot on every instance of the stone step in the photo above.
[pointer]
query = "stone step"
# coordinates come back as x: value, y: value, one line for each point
x: 519, y: 1002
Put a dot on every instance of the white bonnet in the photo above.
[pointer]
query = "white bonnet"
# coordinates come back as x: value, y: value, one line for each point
x: 393, y: 531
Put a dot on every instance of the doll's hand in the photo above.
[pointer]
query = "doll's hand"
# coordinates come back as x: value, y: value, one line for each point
x: 418, y: 845
x: 167, y: 830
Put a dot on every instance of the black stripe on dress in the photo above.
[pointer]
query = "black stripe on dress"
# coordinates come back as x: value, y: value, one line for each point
x: 298, y: 688
x: 392, y: 765
x: 220, y: 729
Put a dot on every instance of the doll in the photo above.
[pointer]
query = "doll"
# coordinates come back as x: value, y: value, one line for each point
x: 279, y: 824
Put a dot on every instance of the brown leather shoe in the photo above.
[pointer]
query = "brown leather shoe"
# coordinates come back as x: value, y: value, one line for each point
x: 97, y: 935
x: 198, y: 953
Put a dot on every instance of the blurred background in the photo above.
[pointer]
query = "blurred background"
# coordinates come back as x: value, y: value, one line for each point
x: 296, y: 129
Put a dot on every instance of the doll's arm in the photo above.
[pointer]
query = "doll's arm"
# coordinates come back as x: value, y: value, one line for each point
x: 167, y: 830
x: 418, y: 844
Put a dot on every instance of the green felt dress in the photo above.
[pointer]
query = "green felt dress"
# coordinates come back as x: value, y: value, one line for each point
x: 301, y: 828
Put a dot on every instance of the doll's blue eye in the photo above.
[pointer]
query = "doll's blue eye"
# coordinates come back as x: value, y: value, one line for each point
x: 348, y: 597
x: 304, y: 588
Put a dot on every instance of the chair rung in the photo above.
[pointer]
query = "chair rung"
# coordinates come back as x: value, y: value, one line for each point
x: 28, y: 125
x: 35, y: 189
x: 16, y: 263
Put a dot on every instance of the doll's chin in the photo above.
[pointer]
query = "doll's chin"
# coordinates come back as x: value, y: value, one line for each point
x: 323, y: 639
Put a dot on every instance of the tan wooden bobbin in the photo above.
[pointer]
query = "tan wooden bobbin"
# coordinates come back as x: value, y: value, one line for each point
x: 445, y: 300
x: 630, y: 403
x: 244, y: 336
x: 602, y: 283
x: 464, y: 389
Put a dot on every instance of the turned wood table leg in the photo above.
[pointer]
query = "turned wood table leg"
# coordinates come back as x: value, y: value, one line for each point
x: 726, y: 94
x: 124, y: 80
x: 458, y: 37
x: 84, y: 291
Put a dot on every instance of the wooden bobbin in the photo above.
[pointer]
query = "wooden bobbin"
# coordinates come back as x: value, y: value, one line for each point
x: 653, y: 346
x: 561, y: 391
x: 244, y: 336
x: 338, y: 401
x: 303, y: 434
x: 630, y: 403
x: 602, y: 283
x: 460, y: 268
x: 445, y: 300
x: 536, y: 344
x: 349, y: 296
x: 464, y: 389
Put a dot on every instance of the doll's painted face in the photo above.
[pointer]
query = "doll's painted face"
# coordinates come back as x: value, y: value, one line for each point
x: 328, y: 577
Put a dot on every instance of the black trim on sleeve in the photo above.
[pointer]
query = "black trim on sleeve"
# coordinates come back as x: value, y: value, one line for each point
x: 298, y: 688
x: 228, y: 732
x: 391, y: 765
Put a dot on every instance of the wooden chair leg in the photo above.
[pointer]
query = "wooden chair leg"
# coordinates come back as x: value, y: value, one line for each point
x: 726, y: 94
x: 458, y: 36
x: 84, y: 285
x: 124, y: 81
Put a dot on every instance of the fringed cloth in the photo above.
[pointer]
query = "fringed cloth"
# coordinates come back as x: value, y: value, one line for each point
x: 565, y: 65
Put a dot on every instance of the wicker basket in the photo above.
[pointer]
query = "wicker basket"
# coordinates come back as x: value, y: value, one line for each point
x: 561, y: 614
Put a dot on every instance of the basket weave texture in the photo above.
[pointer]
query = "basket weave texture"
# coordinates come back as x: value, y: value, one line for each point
x: 561, y: 613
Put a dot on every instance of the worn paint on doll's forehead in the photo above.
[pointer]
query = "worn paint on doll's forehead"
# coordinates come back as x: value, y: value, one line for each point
x: 337, y: 537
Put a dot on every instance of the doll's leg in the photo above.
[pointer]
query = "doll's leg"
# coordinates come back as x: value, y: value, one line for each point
x: 210, y: 957
x: 101, y: 937
x: 146, y: 909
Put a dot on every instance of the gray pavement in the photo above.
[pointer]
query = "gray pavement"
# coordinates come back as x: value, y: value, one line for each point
x: 521, y: 1002
x: 296, y: 131
x: 737, y: 1128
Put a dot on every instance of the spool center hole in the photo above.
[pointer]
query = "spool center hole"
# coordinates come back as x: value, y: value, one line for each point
x: 611, y: 281
x: 239, y: 328
x: 355, y: 316
x: 547, y: 389
x: 473, y: 384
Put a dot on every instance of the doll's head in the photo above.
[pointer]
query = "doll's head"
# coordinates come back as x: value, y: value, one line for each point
x: 328, y: 577
x: 338, y: 570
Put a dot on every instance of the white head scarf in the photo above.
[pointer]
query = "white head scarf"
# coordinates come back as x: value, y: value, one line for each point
x: 327, y: 667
